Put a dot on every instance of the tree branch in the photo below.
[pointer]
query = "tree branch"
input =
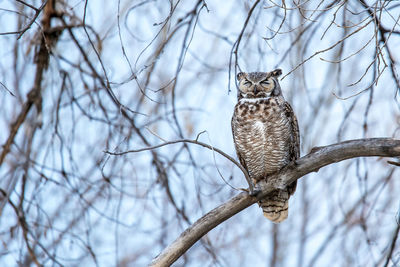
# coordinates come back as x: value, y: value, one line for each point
x: 42, y: 58
x: 214, y: 149
x: 318, y: 158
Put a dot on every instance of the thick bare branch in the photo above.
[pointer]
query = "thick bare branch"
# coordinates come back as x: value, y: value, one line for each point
x: 318, y: 158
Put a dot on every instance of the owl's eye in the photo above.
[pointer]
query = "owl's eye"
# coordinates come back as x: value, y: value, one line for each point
x: 265, y: 82
x: 247, y: 82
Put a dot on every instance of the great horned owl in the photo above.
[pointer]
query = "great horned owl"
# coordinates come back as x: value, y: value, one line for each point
x: 266, y: 135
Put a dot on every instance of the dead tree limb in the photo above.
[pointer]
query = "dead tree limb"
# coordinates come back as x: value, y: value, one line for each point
x: 318, y: 158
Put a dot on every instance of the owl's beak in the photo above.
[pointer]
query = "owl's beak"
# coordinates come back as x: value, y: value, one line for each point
x: 255, y: 90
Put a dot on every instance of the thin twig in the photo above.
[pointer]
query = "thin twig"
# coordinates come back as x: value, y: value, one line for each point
x: 222, y: 153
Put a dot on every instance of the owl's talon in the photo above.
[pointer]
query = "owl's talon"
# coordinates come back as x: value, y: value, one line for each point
x: 254, y: 192
x: 254, y: 189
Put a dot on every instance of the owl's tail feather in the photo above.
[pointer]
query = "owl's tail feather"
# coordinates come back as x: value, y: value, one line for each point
x: 275, y: 206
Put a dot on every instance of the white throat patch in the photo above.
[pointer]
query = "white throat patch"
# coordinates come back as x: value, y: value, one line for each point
x: 253, y: 100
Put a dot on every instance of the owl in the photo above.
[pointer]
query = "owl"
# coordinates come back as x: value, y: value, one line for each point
x: 266, y: 135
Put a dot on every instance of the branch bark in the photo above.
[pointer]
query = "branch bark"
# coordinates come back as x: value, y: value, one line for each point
x: 318, y: 158
x: 42, y: 58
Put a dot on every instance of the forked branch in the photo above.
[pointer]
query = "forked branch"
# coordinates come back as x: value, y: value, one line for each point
x: 318, y: 158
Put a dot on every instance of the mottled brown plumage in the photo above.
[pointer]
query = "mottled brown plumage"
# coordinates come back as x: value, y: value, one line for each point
x: 266, y: 135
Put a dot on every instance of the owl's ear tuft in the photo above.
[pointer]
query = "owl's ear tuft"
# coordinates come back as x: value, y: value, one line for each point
x: 276, y: 73
x: 239, y: 76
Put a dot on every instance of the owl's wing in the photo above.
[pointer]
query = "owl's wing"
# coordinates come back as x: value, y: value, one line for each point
x: 241, y: 160
x: 295, y: 144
